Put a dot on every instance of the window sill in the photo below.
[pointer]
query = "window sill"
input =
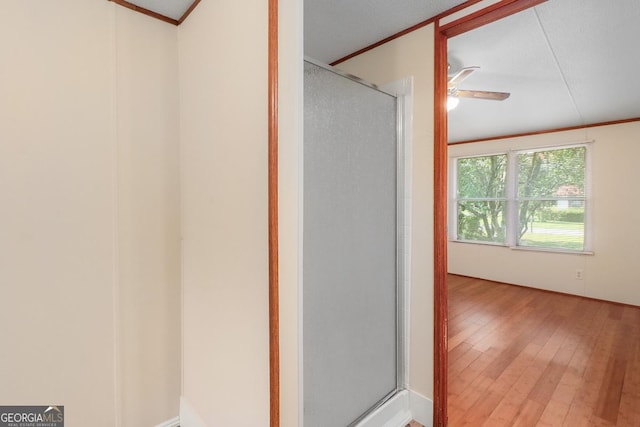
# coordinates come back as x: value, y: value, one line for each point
x: 552, y: 250
x: 525, y: 248
x: 475, y: 242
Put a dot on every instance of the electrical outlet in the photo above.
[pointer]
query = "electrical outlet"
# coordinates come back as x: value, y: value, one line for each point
x: 579, y: 274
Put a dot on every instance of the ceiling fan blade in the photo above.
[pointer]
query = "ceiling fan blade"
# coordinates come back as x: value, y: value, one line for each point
x: 460, y: 76
x: 481, y: 94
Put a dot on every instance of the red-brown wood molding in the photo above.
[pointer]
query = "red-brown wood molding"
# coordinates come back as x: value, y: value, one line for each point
x: 440, y: 232
x: 156, y: 15
x: 541, y: 132
x: 487, y: 15
x: 147, y: 12
x: 405, y: 31
x: 188, y: 11
x: 472, y: 21
x: 274, y: 322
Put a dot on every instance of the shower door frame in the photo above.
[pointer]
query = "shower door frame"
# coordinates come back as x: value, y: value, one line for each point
x: 387, y: 407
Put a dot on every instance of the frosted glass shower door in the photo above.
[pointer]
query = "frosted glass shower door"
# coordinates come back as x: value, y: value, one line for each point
x: 350, y: 305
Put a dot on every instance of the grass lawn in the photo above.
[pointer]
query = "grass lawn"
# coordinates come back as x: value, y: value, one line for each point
x: 558, y: 225
x: 564, y: 235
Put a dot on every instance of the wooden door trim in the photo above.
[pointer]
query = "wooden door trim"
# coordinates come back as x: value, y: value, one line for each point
x: 274, y: 318
x: 472, y: 21
x: 440, y: 231
x: 487, y: 15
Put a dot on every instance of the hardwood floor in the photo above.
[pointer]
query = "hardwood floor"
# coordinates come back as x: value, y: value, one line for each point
x: 525, y: 357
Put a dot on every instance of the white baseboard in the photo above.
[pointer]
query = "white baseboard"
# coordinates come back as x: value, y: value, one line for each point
x: 393, y: 413
x: 188, y: 416
x: 421, y: 408
x: 173, y: 422
x: 405, y: 406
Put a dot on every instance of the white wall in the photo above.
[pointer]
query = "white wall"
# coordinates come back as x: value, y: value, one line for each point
x: 79, y: 172
x: 413, y: 55
x: 608, y: 274
x: 290, y: 110
x: 56, y: 221
x: 149, y: 369
x: 223, y: 119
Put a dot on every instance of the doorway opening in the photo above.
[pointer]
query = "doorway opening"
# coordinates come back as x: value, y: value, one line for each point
x: 444, y: 31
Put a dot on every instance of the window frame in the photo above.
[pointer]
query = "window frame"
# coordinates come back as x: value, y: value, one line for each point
x: 454, y: 198
x: 512, y: 200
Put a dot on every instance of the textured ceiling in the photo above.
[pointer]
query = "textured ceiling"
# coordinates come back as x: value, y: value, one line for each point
x: 170, y: 8
x: 335, y: 28
x: 566, y: 63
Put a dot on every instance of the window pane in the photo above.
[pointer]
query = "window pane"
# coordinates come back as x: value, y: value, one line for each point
x: 482, y: 221
x: 482, y: 177
x: 553, y: 173
x: 552, y: 224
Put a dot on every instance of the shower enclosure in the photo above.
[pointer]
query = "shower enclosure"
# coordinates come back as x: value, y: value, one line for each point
x: 352, y: 250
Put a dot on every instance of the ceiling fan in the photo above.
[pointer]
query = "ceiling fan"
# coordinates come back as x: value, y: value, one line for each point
x: 454, y: 93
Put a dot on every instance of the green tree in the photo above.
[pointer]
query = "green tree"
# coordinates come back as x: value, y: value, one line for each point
x: 482, y: 198
x: 482, y: 195
x: 542, y: 175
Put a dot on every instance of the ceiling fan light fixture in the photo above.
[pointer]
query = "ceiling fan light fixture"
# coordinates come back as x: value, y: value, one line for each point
x: 452, y: 102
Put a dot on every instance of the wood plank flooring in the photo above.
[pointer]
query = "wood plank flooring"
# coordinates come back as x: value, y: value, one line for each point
x: 525, y: 357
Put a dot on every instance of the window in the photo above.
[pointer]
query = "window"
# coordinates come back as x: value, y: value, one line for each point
x: 482, y: 198
x: 530, y: 198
